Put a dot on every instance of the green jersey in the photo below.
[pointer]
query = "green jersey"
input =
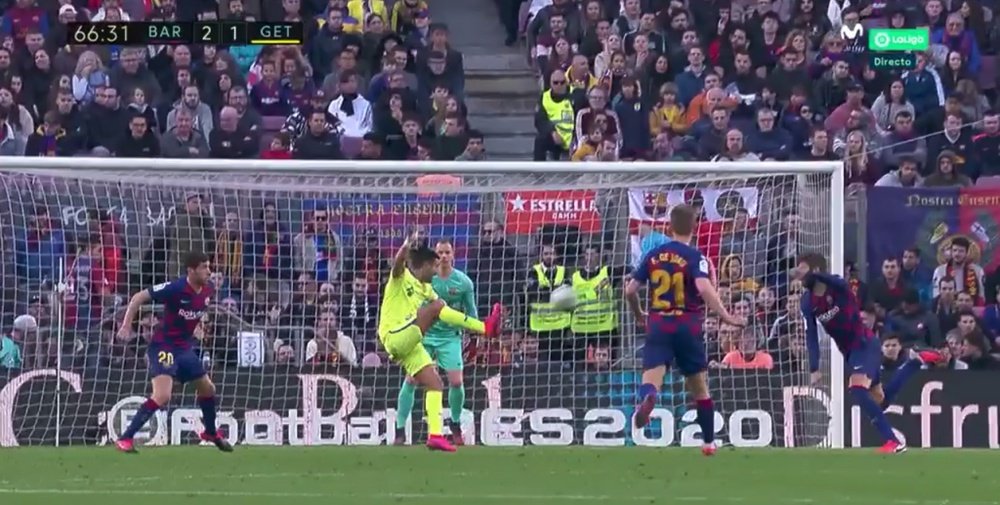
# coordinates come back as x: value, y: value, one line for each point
x: 10, y: 354
x: 458, y: 292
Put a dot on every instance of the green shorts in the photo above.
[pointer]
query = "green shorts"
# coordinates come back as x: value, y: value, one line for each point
x: 404, y: 347
x: 447, y: 353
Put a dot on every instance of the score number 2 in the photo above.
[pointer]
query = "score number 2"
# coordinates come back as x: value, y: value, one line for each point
x: 663, y: 283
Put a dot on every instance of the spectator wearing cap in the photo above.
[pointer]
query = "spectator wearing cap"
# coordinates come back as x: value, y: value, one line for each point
x: 923, y: 86
x: 318, y: 143
x: 295, y: 124
x: 353, y: 112
x: 199, y: 111
x: 946, y: 174
x: 554, y: 119
x: 914, y: 324
x: 21, y: 18
x: 404, y: 13
x: 10, y: 350
x: 140, y: 142
x: 853, y: 102
x: 50, y: 139
x: 906, y: 176
x: 956, y: 37
x: 420, y: 36
x: 902, y: 140
x: 230, y: 139
x: 183, y: 140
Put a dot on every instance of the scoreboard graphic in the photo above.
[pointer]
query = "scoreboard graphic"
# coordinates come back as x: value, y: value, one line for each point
x: 229, y: 33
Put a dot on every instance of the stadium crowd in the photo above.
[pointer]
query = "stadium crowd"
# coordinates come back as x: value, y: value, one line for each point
x: 621, y: 80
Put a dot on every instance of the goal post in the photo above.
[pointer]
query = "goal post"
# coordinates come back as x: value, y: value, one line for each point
x: 300, y: 250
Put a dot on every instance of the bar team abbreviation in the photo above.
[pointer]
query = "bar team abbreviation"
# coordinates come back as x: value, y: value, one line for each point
x: 229, y: 33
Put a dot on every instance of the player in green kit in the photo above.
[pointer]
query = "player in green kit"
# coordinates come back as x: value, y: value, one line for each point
x: 444, y: 343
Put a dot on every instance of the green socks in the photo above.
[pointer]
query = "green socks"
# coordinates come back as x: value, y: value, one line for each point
x: 456, y: 402
x: 404, y: 404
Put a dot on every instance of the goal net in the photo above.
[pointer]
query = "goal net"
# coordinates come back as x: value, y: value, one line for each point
x: 300, y: 251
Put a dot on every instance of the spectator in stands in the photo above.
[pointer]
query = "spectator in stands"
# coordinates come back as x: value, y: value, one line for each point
x: 746, y: 355
x: 359, y: 310
x: 986, y: 147
x: 106, y: 122
x: 11, y: 357
x: 975, y: 352
x: 914, y: 324
x: 945, y: 175
x: 90, y: 73
x: 967, y: 274
x: 958, y: 140
x: 892, y: 353
x: 735, y: 150
x: 317, y: 250
x: 231, y: 139
x: 193, y: 230
x: 554, y: 120
x: 228, y: 259
x: 888, y: 290
x: 330, y: 345
x: 475, y: 147
x: 141, y: 142
x: 353, y: 112
x: 906, y: 176
x: 267, y: 254
x: 923, y: 86
x: 916, y: 274
x: 200, y: 112
x: 50, y: 139
x: 889, y: 103
x: 183, y: 141
x: 769, y: 140
x: 39, y: 250
x: 318, y: 142
x: 132, y: 73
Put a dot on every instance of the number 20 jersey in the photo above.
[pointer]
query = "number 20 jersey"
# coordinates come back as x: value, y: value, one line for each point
x: 671, y: 270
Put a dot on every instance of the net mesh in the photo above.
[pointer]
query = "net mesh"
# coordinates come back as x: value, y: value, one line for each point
x: 299, y: 260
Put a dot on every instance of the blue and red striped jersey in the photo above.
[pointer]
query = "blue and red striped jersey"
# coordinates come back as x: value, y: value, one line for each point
x: 183, y: 308
x: 671, y: 270
x: 839, y: 311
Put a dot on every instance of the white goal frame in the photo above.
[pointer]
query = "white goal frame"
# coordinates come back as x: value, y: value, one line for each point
x: 801, y: 169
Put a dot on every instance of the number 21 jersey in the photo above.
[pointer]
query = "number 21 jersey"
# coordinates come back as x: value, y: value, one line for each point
x: 671, y: 270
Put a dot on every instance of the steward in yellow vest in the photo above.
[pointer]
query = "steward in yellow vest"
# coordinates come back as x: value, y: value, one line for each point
x: 555, y: 120
x: 543, y: 277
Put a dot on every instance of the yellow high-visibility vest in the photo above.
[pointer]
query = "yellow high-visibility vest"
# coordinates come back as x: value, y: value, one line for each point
x: 596, y: 311
x: 544, y: 317
x: 561, y: 115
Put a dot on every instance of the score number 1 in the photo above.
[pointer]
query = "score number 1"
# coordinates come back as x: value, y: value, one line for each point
x: 221, y: 33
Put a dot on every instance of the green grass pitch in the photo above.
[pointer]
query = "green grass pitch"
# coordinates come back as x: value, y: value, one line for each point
x: 476, y: 475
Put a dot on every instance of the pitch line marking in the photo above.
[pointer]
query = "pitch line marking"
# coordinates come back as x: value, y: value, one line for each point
x: 468, y: 497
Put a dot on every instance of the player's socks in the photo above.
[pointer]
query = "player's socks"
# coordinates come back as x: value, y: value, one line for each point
x: 647, y: 401
x: 706, y: 419
x: 903, y: 374
x: 433, y: 401
x: 874, y: 412
x: 404, y: 404
x: 455, y: 318
x: 146, y: 411
x: 456, y: 402
x: 207, y: 406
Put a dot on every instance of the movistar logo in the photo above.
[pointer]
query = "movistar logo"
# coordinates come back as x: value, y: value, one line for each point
x: 848, y: 33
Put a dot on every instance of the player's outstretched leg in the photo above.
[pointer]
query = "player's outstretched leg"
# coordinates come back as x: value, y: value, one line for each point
x: 697, y: 386
x: 163, y: 385
x: 433, y: 404
x: 859, y: 388
x: 903, y: 374
x: 404, y: 406
x: 205, y: 390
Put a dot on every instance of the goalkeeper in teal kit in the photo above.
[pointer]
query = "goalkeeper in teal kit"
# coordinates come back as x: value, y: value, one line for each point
x: 444, y: 343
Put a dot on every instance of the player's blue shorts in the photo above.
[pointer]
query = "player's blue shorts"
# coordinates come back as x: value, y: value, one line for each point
x: 184, y: 365
x: 670, y: 342
x: 866, y: 359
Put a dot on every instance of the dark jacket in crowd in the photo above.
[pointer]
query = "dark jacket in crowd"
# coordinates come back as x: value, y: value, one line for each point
x: 147, y: 146
x: 325, y: 146
x: 233, y: 145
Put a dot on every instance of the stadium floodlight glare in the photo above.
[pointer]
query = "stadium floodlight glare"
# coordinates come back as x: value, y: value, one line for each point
x: 568, y: 204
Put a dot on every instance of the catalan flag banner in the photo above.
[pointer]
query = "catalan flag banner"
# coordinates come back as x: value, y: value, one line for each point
x: 930, y: 219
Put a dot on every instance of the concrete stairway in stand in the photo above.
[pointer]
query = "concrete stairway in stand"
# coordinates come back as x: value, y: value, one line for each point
x: 500, y: 88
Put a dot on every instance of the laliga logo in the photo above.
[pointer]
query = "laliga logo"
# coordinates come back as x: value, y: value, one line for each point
x: 852, y: 33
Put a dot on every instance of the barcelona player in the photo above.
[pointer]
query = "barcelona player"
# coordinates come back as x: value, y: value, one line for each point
x: 679, y: 277
x: 410, y: 307
x: 830, y: 301
x: 172, y: 352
